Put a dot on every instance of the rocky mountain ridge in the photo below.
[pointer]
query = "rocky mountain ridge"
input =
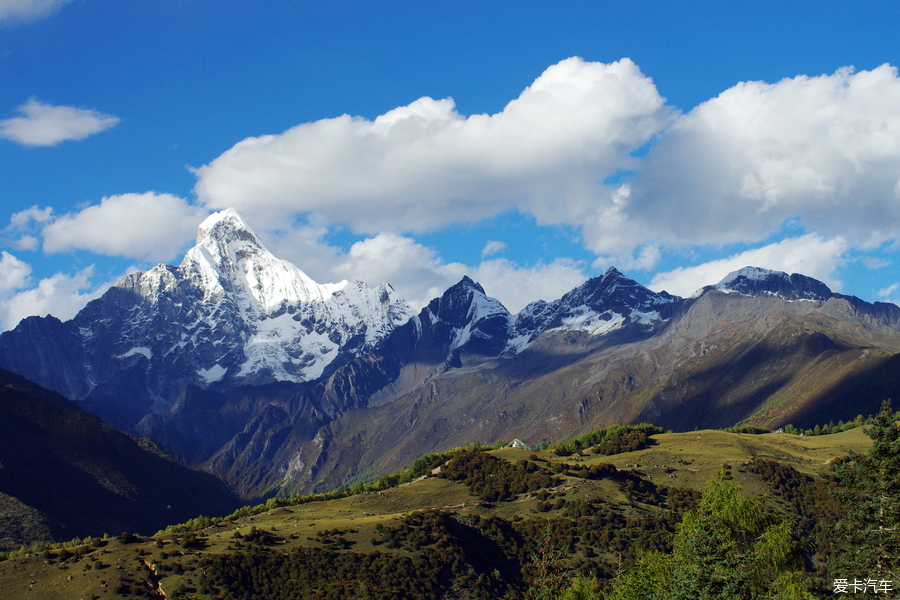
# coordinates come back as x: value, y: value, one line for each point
x: 239, y: 363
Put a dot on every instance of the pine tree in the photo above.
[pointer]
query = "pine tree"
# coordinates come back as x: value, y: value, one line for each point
x: 730, y: 547
x: 548, y: 580
x: 870, y: 533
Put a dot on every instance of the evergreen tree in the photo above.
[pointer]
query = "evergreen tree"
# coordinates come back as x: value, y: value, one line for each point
x: 548, y: 579
x: 730, y: 547
x: 870, y: 533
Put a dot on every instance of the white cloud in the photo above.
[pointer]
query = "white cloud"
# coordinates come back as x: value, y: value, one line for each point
x: 888, y: 291
x: 23, y: 226
x: 873, y: 262
x: 28, y: 10
x: 516, y: 286
x: 809, y: 254
x: 150, y: 226
x: 14, y: 273
x: 24, y: 218
x: 60, y: 295
x: 492, y: 247
x: 48, y: 125
x: 417, y: 272
x: 419, y: 275
x: 26, y: 242
x: 424, y: 165
x: 822, y: 150
x: 644, y: 260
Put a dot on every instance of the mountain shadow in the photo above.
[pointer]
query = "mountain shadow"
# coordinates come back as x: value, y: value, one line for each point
x: 70, y: 474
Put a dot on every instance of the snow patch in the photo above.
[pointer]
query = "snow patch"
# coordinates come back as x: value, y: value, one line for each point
x: 518, y: 343
x: 212, y: 374
x: 587, y: 320
x: 143, y: 350
x: 645, y: 318
x: 751, y: 273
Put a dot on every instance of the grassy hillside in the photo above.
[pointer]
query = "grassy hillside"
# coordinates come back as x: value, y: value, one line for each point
x: 467, y: 529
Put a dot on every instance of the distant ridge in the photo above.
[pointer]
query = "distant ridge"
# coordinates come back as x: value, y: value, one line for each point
x: 753, y: 281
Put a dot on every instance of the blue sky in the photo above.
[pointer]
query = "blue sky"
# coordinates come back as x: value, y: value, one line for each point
x: 529, y: 145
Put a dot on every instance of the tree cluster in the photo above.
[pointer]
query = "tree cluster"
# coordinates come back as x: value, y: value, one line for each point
x: 870, y: 529
x: 730, y: 547
x: 493, y: 479
x: 618, y: 436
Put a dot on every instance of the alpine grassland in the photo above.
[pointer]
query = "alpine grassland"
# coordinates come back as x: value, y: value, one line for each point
x: 703, y: 514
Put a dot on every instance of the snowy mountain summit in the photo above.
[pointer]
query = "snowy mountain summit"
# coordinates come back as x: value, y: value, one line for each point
x: 293, y: 327
x: 599, y: 306
x: 754, y: 281
x: 230, y: 314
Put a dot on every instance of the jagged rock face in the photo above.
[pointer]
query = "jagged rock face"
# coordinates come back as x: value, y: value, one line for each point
x: 230, y: 314
x: 465, y: 318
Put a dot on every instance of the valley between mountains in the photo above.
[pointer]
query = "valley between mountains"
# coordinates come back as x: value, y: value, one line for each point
x: 238, y: 364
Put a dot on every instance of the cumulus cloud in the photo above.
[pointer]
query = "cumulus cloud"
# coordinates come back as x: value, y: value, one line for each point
x: 14, y: 273
x: 822, y: 153
x: 60, y: 295
x: 823, y: 150
x: 152, y: 227
x: 424, y: 165
x: 417, y: 272
x: 24, y: 225
x: 516, y: 286
x: 644, y: 259
x: 28, y: 10
x: 47, y: 125
x: 810, y: 254
x: 414, y: 270
x: 24, y: 218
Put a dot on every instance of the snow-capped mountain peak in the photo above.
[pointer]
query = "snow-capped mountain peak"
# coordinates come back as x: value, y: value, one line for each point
x: 599, y: 306
x: 229, y: 258
x: 473, y: 317
x: 225, y: 225
x: 230, y: 314
x: 755, y: 281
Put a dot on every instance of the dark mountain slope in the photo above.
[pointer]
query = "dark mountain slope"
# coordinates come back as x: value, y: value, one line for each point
x: 69, y: 474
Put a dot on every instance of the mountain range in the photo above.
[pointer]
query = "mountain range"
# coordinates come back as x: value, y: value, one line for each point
x: 239, y: 364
